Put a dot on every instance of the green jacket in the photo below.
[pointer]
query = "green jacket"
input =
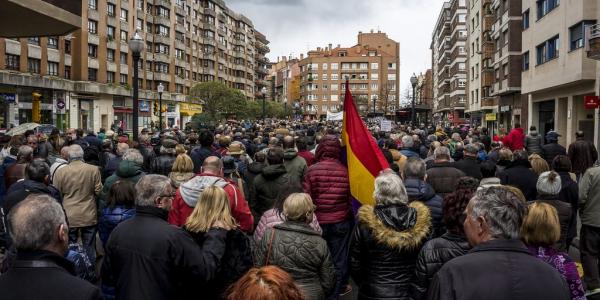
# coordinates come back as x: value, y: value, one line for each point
x: 128, y: 171
x: 589, y: 197
x: 294, y: 164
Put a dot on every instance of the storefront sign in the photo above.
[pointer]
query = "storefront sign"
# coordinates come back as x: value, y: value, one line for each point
x: 190, y: 109
x: 60, y: 104
x: 591, y: 102
x: 144, y: 106
x: 8, y: 97
x: 490, y: 117
x: 505, y: 108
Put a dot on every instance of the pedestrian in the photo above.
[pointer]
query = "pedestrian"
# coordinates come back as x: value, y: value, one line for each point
x: 59, y: 162
x: 182, y: 171
x: 548, y: 191
x: 533, y: 141
x: 145, y: 147
x: 538, y: 164
x: 515, y: 138
x: 488, y: 172
x: 540, y: 232
x: 113, y: 163
x: 129, y: 169
x: 37, y: 181
x: 519, y: 174
x: 16, y: 171
x: 163, y: 164
x: 407, y: 148
x: 120, y: 206
x: 442, y: 175
x: 387, y: 240
x: 418, y: 190
x: 470, y: 164
x: 200, y: 153
x: 582, y: 153
x: 589, y: 235
x: 492, y: 225
x: 552, y: 149
x: 303, y: 151
x: 569, y: 191
x: 266, y: 283
x: 295, y: 165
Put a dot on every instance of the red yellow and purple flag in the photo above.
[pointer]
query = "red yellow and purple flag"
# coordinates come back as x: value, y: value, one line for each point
x: 365, y: 159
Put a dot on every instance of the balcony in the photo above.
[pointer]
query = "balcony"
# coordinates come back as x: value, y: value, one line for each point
x: 489, y: 102
x: 488, y: 22
x: 162, y: 76
x: 162, y: 39
x: 162, y: 20
x: 487, y: 78
x: 163, y: 3
x: 161, y: 57
x: 593, y: 49
x: 208, y: 11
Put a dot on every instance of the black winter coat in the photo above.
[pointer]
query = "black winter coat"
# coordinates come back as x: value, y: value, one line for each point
x: 273, y: 183
x: 552, y: 150
x: 497, y: 270
x: 419, y: 190
x: 564, y: 216
x: 146, y: 258
x: 434, y: 254
x: 583, y: 155
x: 149, y: 155
x: 21, y: 189
x: 53, y: 278
x: 162, y: 164
x: 443, y: 177
x: 519, y: 175
x: 470, y: 166
x: 533, y: 143
x: 384, y: 249
x: 569, y: 193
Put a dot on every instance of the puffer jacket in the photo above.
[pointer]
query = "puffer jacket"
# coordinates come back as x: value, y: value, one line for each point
x: 272, y: 184
x: 110, y: 218
x: 443, y: 177
x: 328, y: 184
x: 520, y: 175
x: 419, y: 190
x: 434, y: 254
x: 533, y: 143
x: 515, y: 139
x: 162, y: 164
x: 294, y: 164
x: 552, y: 150
x: 384, y: 249
x: 302, y: 252
x: 271, y: 218
x: 564, y: 216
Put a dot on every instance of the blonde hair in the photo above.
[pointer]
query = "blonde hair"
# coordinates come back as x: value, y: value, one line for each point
x: 180, y: 149
x: 505, y: 154
x: 298, y: 207
x: 541, y: 226
x: 538, y: 164
x: 212, y: 206
x: 183, y: 164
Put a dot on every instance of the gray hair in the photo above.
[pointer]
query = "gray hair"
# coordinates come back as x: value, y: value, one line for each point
x: 456, y: 137
x: 165, y: 150
x: 25, y: 152
x: 121, y: 148
x: 34, y: 221
x: 441, y: 151
x: 75, y: 152
x: 502, y: 209
x: 389, y: 189
x: 149, y: 189
x: 144, y: 138
x: 134, y: 155
x: 408, y: 141
x: 472, y: 149
x: 415, y: 168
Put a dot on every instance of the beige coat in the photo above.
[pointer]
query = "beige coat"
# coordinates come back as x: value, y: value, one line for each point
x: 79, y: 184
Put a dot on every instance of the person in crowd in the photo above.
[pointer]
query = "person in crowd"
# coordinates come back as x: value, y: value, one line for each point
x: 328, y: 185
x: 453, y: 243
x: 232, y: 174
x: 120, y: 206
x: 254, y: 169
x: 266, y: 283
x: 241, y: 159
x: 442, y: 175
x: 386, y: 242
x: 188, y: 195
x: 538, y: 164
x: 515, y: 139
x: 418, y: 190
x: 569, y: 191
x: 398, y: 159
x: 223, y: 146
x: 145, y: 147
x: 505, y: 158
x: 552, y: 149
x: 589, y: 235
x: 548, y: 191
x: 534, y: 142
x: 14, y: 142
x: 470, y: 164
x: 130, y: 169
x: 303, y: 151
x: 92, y: 139
x: 163, y: 164
x: 146, y: 258
x: 492, y: 225
x: 112, y: 164
x: 451, y: 144
x: 520, y: 175
x: 540, y: 232
x: 488, y: 172
x: 79, y: 183
x: 272, y: 183
x: 200, y: 153
x: 294, y: 164
x: 212, y: 207
x: 106, y: 154
x: 459, y: 151
x: 16, y: 171
x: 582, y: 153
x: 39, y: 230
x: 408, y: 147
x: 180, y: 149
x: 183, y: 170
x: 8, y: 161
x: 37, y: 181
x: 299, y: 250
x: 494, y: 154
x: 485, y: 139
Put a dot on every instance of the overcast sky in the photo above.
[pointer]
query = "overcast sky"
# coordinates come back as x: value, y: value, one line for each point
x: 295, y: 26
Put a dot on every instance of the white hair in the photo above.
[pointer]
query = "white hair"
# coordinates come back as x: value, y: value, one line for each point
x: 134, y: 155
x: 441, y: 151
x: 75, y: 152
x: 389, y: 189
x: 33, y: 222
x: 149, y: 188
x: 408, y: 141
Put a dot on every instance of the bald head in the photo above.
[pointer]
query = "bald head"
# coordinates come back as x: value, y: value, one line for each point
x: 288, y: 142
x: 212, y: 165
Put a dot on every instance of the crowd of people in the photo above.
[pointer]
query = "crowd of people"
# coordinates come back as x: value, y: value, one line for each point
x: 264, y: 210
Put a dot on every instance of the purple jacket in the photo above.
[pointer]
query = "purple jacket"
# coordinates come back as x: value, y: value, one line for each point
x: 270, y: 218
x: 565, y: 266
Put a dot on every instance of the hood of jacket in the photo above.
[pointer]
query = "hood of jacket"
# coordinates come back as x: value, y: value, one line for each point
x: 256, y: 167
x: 128, y: 169
x: 289, y: 154
x: 398, y: 226
x: 533, y: 133
x: 272, y: 172
x: 418, y: 190
x: 190, y: 191
x: 329, y: 148
x: 520, y: 130
x: 519, y: 163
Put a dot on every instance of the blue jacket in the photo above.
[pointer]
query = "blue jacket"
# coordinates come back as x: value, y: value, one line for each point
x: 110, y: 218
x: 419, y: 190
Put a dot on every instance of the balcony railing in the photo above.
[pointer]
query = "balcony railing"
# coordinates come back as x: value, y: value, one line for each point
x: 593, y: 41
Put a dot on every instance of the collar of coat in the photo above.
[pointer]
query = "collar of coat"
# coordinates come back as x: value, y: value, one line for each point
x: 297, y: 227
x: 505, y: 245
x: 403, y: 240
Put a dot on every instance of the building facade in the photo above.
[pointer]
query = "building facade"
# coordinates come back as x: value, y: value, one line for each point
x: 449, y: 63
x: 556, y: 71
x: 424, y: 97
x: 85, y: 78
x: 371, y: 66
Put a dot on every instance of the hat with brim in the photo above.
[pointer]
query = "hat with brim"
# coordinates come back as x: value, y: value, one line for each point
x: 235, y: 149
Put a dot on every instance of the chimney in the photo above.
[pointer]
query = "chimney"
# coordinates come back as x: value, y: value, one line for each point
x: 301, y: 56
x: 330, y: 46
x: 371, y: 30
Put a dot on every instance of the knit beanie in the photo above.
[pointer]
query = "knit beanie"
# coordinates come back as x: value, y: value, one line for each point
x: 549, y: 183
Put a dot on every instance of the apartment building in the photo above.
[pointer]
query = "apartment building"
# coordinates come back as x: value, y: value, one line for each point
x: 85, y: 78
x: 424, y: 97
x: 262, y: 62
x: 371, y: 66
x: 449, y: 63
x: 556, y: 71
x: 286, y: 81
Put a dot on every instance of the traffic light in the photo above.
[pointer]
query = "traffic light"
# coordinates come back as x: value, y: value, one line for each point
x: 35, y: 107
x: 155, y: 108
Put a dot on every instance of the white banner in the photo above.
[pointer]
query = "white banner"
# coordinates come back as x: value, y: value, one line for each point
x: 386, y: 125
x: 337, y: 116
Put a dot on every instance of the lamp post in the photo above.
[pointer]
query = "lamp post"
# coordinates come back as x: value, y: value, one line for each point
x: 161, y: 89
x: 264, y: 98
x: 374, y: 100
x: 413, y: 81
x: 136, y: 45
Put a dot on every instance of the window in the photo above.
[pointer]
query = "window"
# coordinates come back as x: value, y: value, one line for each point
x: 124, y: 14
x: 52, y: 68
x: 526, y: 19
x: 374, y: 86
x: 110, y: 33
x: 53, y: 42
x: 391, y: 66
x: 391, y: 76
x: 34, y: 40
x: 548, y: 50
x: 546, y: 6
x: 123, y: 58
x: 324, y: 66
x: 123, y: 36
x: 123, y: 79
x: 12, y: 62
x: 162, y: 30
x: 161, y: 67
x: 110, y: 9
x: 526, y: 61
x: 334, y: 76
x: 162, y: 11
x: 33, y: 65
x: 374, y: 76
x: 334, y: 66
x: 462, y: 83
x: 161, y: 48
x: 110, y: 77
x: 324, y: 77
x: 334, y: 87
x: 462, y: 18
x: 139, y: 24
x: 110, y: 54
x: 462, y: 66
x: 179, y: 54
x: 92, y: 74
x: 93, y: 4
x: 334, y: 97
x: 92, y: 51
x: 92, y: 27
x: 67, y: 72
x: 67, y: 47
x: 577, y: 33
x: 364, y: 66
x: 374, y: 66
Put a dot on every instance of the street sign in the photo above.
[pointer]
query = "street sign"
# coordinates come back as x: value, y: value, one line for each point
x: 591, y: 102
x: 60, y: 104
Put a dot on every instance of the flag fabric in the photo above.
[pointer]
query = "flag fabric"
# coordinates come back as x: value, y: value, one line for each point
x: 365, y: 160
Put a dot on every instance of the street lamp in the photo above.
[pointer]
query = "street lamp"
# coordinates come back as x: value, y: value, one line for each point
x: 264, y: 98
x: 413, y: 81
x: 374, y: 100
x: 136, y: 45
x: 161, y: 89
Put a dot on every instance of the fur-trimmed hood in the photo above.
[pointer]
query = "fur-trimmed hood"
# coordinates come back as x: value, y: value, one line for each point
x: 413, y: 235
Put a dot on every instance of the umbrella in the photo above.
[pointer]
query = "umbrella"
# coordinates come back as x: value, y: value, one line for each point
x: 22, y: 128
